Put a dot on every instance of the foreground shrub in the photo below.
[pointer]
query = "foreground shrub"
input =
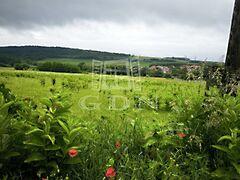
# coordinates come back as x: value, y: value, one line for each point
x: 47, y: 141
x: 232, y: 151
x: 207, y: 121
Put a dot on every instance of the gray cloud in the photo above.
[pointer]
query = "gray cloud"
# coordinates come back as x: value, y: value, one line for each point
x: 195, y: 28
x: 198, y: 13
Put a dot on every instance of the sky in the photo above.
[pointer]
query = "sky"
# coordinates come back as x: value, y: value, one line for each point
x: 198, y: 29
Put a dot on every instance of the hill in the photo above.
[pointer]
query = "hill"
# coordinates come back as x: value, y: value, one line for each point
x: 13, y: 54
x: 34, y: 55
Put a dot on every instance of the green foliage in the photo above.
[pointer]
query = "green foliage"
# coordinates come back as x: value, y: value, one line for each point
x: 7, y: 95
x: 49, y: 138
x: 232, y: 151
x: 6, y: 60
x: 84, y: 67
x: 208, y: 120
x: 21, y: 66
x: 5, y: 137
x: 45, y: 136
x: 155, y: 73
x: 58, y: 67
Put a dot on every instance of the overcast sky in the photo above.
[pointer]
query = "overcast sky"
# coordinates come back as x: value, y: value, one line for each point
x: 193, y: 28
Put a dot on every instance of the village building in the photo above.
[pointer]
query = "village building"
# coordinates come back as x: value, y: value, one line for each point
x: 164, y: 69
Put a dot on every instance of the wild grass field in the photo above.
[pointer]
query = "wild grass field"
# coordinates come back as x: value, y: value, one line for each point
x: 159, y: 92
x: 83, y: 126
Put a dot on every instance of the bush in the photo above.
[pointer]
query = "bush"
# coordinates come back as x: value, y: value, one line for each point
x: 41, y: 140
x: 207, y: 120
x: 58, y: 67
x: 232, y: 151
x: 21, y: 66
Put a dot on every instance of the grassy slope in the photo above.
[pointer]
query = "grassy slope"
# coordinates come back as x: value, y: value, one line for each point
x: 27, y: 84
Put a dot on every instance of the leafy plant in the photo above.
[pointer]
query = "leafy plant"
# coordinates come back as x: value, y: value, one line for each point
x: 232, y: 151
x: 50, y: 137
x: 6, y: 140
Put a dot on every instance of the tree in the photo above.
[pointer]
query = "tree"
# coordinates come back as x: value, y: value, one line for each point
x: 21, y: 66
x: 83, y: 67
x: 58, y: 67
x: 233, y: 54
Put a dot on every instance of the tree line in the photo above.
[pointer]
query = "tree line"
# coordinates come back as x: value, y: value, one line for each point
x: 15, y: 54
x: 62, y: 67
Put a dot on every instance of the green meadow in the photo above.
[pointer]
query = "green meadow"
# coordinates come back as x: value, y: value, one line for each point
x: 87, y: 126
x: 156, y: 91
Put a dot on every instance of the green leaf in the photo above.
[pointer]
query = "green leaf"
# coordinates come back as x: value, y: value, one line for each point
x: 225, y: 138
x: 61, y: 110
x: 221, y: 148
x: 150, y: 142
x: 5, y: 107
x: 237, y: 167
x: 76, y: 147
x: 75, y: 160
x: 74, y: 133
x: 51, y: 138
x: 63, y: 126
x: 52, y: 147
x: 46, y: 126
x: 53, y: 164
x: 222, y: 173
x: 11, y: 154
x: 35, y: 157
x: 34, y: 141
x: 46, y: 102
x: 237, y: 106
x: 66, y: 140
x: 49, y: 116
x: 233, y: 115
x: 110, y: 162
x: 232, y: 146
x: 59, y: 154
x: 237, y: 131
x: 35, y: 130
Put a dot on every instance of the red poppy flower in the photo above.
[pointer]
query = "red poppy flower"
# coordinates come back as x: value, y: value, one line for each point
x: 110, y: 172
x: 181, y: 135
x: 118, y: 144
x: 72, y: 152
x: 44, y: 178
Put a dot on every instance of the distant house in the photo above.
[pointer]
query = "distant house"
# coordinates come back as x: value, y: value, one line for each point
x: 153, y: 67
x: 190, y: 68
x: 164, y: 69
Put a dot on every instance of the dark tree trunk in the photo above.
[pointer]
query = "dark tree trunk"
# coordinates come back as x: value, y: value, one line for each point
x: 231, y: 75
x: 233, y: 54
x: 228, y: 79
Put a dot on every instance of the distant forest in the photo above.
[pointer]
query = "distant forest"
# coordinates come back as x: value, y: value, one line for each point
x: 59, y: 59
x: 16, y: 54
